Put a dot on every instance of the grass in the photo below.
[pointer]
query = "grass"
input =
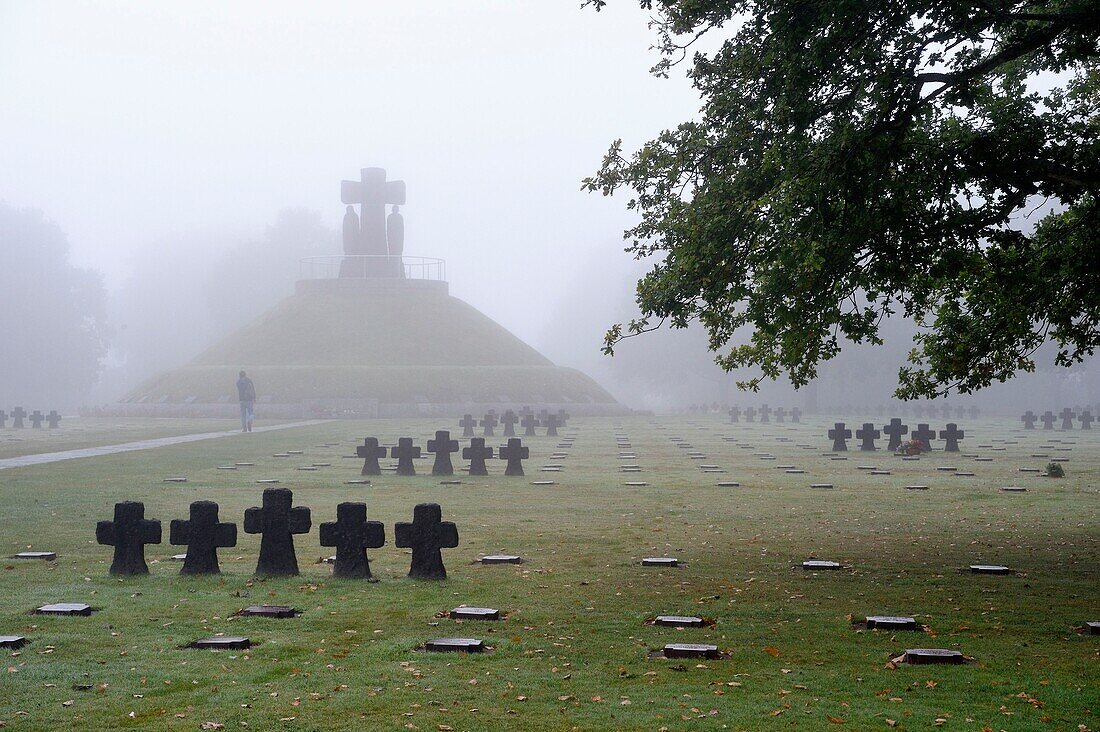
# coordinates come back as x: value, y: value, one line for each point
x: 572, y: 653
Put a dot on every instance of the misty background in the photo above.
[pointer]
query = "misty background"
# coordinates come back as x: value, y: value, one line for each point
x: 165, y: 165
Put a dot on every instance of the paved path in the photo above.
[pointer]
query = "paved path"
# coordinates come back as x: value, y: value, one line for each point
x: 85, y: 452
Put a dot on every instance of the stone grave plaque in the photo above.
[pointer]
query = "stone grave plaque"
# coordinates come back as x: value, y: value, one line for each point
x: 824, y: 486
x: 946, y: 468
x: 916, y: 487
x: 269, y: 611
x: 227, y: 467
x: 690, y: 650
x: 460, y: 645
x: 816, y: 564
x: 891, y: 622
x: 178, y: 558
x: 65, y: 608
x: 244, y: 465
x: 14, y: 642
x: 295, y: 452
x: 501, y: 559
x: 543, y: 482
x: 729, y: 484
x: 933, y: 655
x: 475, y: 613
x: 267, y: 481
x: 660, y: 562
x: 223, y: 643
x: 988, y: 569
x: 177, y: 479
x: 880, y: 472
x: 1093, y: 627
x: 1014, y: 489
x: 48, y: 556
x: 635, y: 484
x: 679, y: 621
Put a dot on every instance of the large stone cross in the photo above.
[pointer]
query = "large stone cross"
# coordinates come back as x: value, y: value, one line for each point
x: 128, y: 534
x: 514, y: 452
x: 838, y: 434
x: 352, y: 535
x: 1067, y: 416
x: 371, y: 193
x: 36, y: 419
x: 370, y: 452
x: 1029, y: 419
x: 3, y: 419
x: 17, y: 416
x: 895, y: 430
x: 765, y: 414
x: 202, y: 534
x: 467, y: 423
x: 1086, y: 420
x: 796, y: 415
x: 1048, y: 420
x: 53, y: 419
x: 529, y: 422
x: 404, y: 451
x: 426, y: 535
x: 442, y: 446
x: 734, y: 414
x: 750, y: 414
x: 489, y: 422
x: 780, y: 413
x: 552, y: 423
x: 867, y: 436
x: 925, y: 435
x: 477, y: 454
x: 509, y: 420
x: 951, y: 435
x: 563, y: 418
x: 277, y: 523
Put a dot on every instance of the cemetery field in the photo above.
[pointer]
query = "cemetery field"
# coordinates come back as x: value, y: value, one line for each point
x: 574, y: 648
x: 80, y: 432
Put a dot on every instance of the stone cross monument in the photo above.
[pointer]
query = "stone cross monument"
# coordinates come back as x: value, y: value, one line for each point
x: 372, y: 192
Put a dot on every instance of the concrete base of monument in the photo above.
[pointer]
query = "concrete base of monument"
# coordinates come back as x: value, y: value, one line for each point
x: 382, y: 347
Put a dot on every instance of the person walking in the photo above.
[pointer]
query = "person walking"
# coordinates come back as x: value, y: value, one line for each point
x: 246, y: 391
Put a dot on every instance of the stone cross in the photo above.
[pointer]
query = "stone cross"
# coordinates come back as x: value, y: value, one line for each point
x: 36, y: 419
x: 525, y: 410
x: 467, y: 423
x: 895, y: 430
x: 352, y: 535
x: 53, y: 419
x: 543, y: 414
x: 1048, y: 420
x: 552, y: 425
x: 1086, y: 420
x: 563, y: 417
x: 780, y: 413
x: 489, y: 422
x: 442, y: 446
x: 405, y: 452
x: 750, y: 414
x: 735, y: 415
x: 477, y: 454
x: 951, y: 435
x: 1029, y: 419
x: 796, y: 415
x: 868, y: 435
x: 925, y: 435
x: 973, y: 411
x: 277, y: 523
x: 529, y: 422
x: 426, y: 535
x: 509, y: 420
x: 128, y: 534
x: 514, y: 452
x: 372, y: 192
x: 1067, y: 416
x: 17, y: 416
x: 202, y: 534
x: 960, y: 412
x: 838, y: 435
x: 765, y: 414
x: 3, y: 419
x: 370, y: 452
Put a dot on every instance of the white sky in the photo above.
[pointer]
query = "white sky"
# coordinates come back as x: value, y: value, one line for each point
x: 132, y: 122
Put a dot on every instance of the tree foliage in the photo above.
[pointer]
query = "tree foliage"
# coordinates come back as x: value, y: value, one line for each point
x: 852, y: 160
x: 53, y: 317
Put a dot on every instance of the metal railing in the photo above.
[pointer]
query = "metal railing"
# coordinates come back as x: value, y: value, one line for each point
x: 364, y: 266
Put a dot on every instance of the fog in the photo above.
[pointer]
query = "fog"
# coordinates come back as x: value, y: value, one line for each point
x: 192, y: 152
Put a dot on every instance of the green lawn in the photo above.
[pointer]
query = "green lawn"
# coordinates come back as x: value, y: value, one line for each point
x: 572, y: 653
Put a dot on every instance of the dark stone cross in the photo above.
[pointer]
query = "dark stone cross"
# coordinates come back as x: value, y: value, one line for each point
x: 780, y: 413
x: 36, y: 419
x: 951, y: 435
x: 370, y: 452
x: 426, y: 535
x: 371, y: 192
x: 3, y: 419
x: 405, y: 452
x: 925, y: 435
x: 895, y: 430
x: 525, y: 410
x: 202, y: 534
x: 514, y: 452
x: 1086, y: 420
x: 530, y: 422
x: 552, y: 425
x: 442, y: 446
x: 1048, y: 420
x: 1067, y: 416
x: 796, y: 415
x: 838, y: 435
x: 868, y: 435
x: 17, y: 416
x: 477, y: 454
x: 1029, y: 419
x: 128, y: 534
x: 735, y: 415
x: 467, y: 423
x: 765, y: 414
x: 53, y: 419
x: 543, y: 414
x: 352, y: 535
x: 509, y: 420
x: 489, y: 422
x: 277, y: 523
x: 563, y: 417
x: 750, y: 414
